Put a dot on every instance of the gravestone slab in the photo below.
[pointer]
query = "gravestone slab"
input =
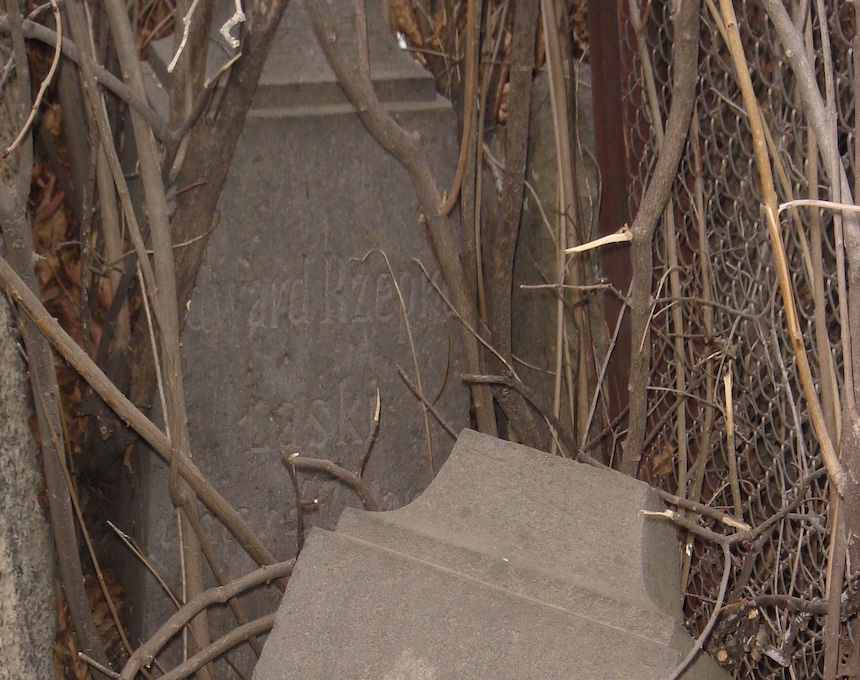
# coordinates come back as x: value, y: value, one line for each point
x: 513, y: 564
x: 296, y: 322
x: 536, y: 263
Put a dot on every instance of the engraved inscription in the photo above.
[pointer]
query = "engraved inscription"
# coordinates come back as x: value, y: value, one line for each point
x: 316, y: 423
x: 386, y: 299
x: 334, y: 305
x: 329, y: 290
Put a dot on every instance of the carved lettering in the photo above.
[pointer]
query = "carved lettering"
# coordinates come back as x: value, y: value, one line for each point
x: 347, y: 433
x: 348, y: 292
x: 319, y: 420
x: 335, y: 277
x: 286, y: 413
x: 299, y: 301
x: 336, y: 418
x: 259, y: 312
x: 359, y: 294
x: 386, y: 300
x: 226, y: 309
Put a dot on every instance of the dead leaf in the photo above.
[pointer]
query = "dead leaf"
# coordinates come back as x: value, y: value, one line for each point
x: 664, y: 462
x: 52, y: 118
x: 402, y: 18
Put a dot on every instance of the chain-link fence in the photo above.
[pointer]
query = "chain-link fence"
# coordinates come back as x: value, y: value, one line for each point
x: 718, y: 331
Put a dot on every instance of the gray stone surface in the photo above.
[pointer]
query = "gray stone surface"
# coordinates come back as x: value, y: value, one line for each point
x: 513, y: 564
x: 535, y: 263
x: 28, y: 617
x: 295, y: 322
x: 596, y: 520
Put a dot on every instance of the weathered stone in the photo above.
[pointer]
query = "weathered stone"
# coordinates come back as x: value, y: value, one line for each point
x: 513, y: 564
x: 296, y: 321
x: 28, y: 617
x: 536, y: 262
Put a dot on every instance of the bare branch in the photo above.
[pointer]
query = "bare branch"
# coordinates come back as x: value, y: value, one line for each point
x: 43, y: 34
x: 129, y: 413
x: 44, y: 86
x: 236, y: 636
x: 147, y: 651
x: 356, y: 482
x: 686, y: 48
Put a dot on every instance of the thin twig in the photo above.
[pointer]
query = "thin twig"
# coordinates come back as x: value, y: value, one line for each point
x: 370, y: 439
x: 796, y: 604
x: 95, y: 664
x: 670, y: 238
x: 516, y: 384
x: 815, y: 203
x: 166, y: 309
x: 238, y: 17
x: 138, y: 553
x: 685, y: 77
x: 223, y: 579
x: 745, y: 536
x: 603, y: 369
x: 45, y: 35
x: 433, y: 410
x: 712, y: 621
x: 79, y: 29
x: 828, y: 452
x: 829, y: 385
x: 407, y: 149
x: 623, y: 235
x: 47, y: 81
x: 703, y: 509
x: 129, y: 413
x: 300, y: 510
x: 192, y: 608
x: 731, y: 452
x: 835, y: 584
x: 60, y: 453
x: 236, y: 636
x: 469, y: 100
x: 186, y: 27
x: 459, y: 318
x: 405, y: 312
x: 566, y: 199
x: 350, y: 478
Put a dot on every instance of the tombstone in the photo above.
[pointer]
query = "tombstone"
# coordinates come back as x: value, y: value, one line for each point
x: 514, y: 564
x: 534, y: 338
x: 295, y: 323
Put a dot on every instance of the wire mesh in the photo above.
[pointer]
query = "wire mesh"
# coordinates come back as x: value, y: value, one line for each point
x: 717, y: 313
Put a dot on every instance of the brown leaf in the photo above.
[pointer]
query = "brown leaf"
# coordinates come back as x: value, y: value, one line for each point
x: 664, y: 462
x: 51, y: 228
x: 402, y: 18
x: 52, y: 118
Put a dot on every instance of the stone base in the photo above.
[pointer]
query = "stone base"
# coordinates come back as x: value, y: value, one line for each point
x: 513, y: 564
